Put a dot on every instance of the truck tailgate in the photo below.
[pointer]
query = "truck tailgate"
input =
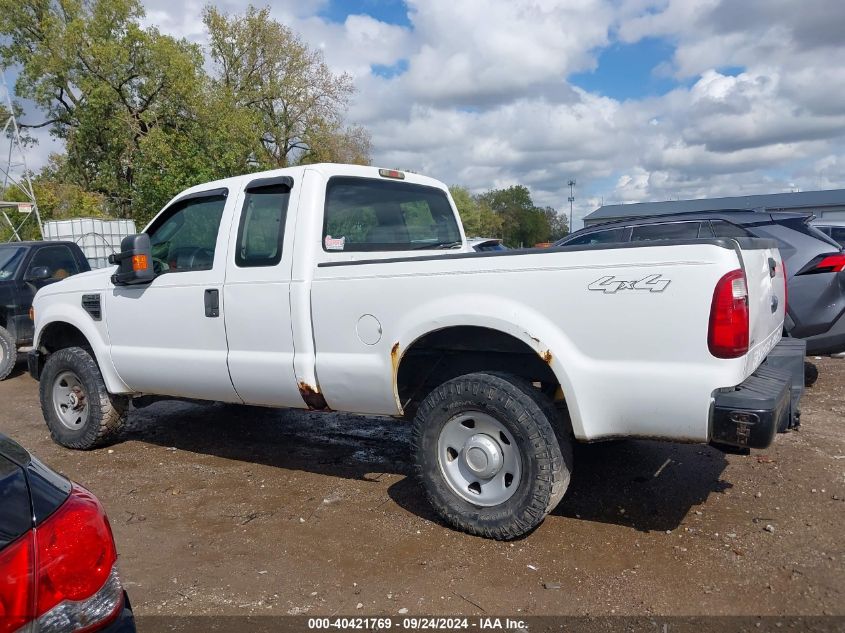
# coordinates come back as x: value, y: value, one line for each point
x: 765, y: 277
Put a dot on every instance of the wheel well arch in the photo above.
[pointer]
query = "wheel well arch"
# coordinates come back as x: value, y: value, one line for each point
x: 443, y: 354
x: 60, y: 335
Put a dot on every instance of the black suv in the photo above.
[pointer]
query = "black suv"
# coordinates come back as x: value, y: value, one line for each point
x: 814, y: 262
x: 24, y: 268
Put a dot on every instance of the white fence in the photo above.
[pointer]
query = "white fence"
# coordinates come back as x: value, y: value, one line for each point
x: 97, y: 238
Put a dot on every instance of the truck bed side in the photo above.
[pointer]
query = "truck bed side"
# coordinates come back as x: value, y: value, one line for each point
x: 623, y: 329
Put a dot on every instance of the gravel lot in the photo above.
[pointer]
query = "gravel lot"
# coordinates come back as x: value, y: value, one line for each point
x: 234, y: 510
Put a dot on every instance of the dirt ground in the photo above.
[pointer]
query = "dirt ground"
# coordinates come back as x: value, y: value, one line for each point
x: 232, y: 510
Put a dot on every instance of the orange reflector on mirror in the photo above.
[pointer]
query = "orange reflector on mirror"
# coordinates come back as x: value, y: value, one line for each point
x: 139, y: 262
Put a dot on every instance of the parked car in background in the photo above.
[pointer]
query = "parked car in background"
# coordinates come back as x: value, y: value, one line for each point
x: 485, y: 244
x: 25, y: 267
x: 814, y: 261
x: 833, y: 228
x: 57, y: 554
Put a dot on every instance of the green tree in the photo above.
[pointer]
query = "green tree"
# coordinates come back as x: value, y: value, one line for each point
x: 265, y: 68
x: 478, y: 218
x: 141, y: 118
x: 523, y: 224
x: 105, y: 84
x: 558, y: 224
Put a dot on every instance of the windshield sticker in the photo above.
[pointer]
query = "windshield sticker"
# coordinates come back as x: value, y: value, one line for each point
x: 335, y: 243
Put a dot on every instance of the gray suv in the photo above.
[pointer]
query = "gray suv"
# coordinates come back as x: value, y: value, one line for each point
x: 815, y: 263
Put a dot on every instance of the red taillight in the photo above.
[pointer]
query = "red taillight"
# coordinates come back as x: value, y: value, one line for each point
x: 830, y: 263
x: 17, y: 595
x: 76, y: 551
x: 727, y: 336
x: 62, y: 574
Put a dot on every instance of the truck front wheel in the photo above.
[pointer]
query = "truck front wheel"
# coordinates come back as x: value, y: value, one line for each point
x: 78, y: 409
x: 487, y: 454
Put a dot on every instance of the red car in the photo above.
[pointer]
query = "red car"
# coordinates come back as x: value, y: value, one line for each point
x: 58, y: 559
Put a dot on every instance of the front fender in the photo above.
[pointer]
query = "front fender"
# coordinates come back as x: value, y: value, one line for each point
x: 96, y: 333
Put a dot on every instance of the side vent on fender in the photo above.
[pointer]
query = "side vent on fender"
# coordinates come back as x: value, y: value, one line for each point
x: 91, y: 304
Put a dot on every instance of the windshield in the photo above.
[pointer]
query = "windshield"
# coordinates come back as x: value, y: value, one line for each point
x: 10, y: 259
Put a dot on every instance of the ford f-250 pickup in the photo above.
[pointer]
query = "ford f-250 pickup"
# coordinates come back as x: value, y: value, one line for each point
x: 348, y: 288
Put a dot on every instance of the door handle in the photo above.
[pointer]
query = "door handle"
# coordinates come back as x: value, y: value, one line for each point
x: 212, y: 302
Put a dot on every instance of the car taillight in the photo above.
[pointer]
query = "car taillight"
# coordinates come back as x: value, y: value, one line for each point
x: 17, y: 594
x: 829, y: 263
x: 75, y: 585
x: 727, y: 335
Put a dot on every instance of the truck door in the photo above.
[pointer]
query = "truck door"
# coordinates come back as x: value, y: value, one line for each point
x: 257, y: 295
x: 168, y: 336
x: 59, y: 262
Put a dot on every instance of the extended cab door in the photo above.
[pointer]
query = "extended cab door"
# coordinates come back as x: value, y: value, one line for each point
x: 257, y: 294
x: 168, y: 336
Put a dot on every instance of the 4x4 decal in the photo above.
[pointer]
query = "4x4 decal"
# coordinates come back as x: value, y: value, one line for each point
x: 610, y: 284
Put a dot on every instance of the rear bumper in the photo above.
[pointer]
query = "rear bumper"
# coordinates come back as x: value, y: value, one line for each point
x: 749, y: 414
x: 830, y: 342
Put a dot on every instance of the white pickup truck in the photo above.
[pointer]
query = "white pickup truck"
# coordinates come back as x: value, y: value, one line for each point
x: 349, y: 288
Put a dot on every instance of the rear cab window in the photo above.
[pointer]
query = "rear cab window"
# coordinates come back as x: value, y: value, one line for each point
x: 365, y: 214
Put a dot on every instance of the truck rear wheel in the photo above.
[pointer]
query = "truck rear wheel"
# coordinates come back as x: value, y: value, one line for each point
x: 78, y: 409
x: 487, y: 454
x: 8, y: 353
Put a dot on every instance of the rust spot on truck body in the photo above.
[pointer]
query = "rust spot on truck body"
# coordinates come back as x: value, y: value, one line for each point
x: 394, y: 362
x: 312, y: 397
x: 546, y: 356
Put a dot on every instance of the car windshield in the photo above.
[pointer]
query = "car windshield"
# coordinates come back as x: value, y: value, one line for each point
x: 10, y: 259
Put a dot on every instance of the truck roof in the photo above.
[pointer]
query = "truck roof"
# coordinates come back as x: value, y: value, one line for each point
x: 327, y: 169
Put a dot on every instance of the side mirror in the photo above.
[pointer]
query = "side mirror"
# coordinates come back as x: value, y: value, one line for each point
x: 39, y: 273
x: 134, y: 261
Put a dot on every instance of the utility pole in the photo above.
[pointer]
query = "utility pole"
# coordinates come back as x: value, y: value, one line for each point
x: 15, y: 171
x: 571, y: 199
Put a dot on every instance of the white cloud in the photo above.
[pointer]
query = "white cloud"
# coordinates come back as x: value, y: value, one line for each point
x: 485, y: 100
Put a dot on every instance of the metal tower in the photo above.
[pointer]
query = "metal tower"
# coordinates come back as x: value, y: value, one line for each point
x: 15, y: 172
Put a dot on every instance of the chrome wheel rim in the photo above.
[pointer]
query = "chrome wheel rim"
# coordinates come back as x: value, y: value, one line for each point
x: 479, y: 459
x: 70, y: 401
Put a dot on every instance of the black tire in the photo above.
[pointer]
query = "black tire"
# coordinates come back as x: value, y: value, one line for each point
x: 530, y: 419
x: 106, y: 413
x: 8, y: 353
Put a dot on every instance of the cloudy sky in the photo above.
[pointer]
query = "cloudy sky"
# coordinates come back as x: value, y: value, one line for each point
x: 635, y: 99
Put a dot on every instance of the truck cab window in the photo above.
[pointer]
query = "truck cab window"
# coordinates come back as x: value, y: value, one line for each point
x: 262, y: 229
x: 58, y: 260
x: 185, y: 236
x: 364, y: 214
